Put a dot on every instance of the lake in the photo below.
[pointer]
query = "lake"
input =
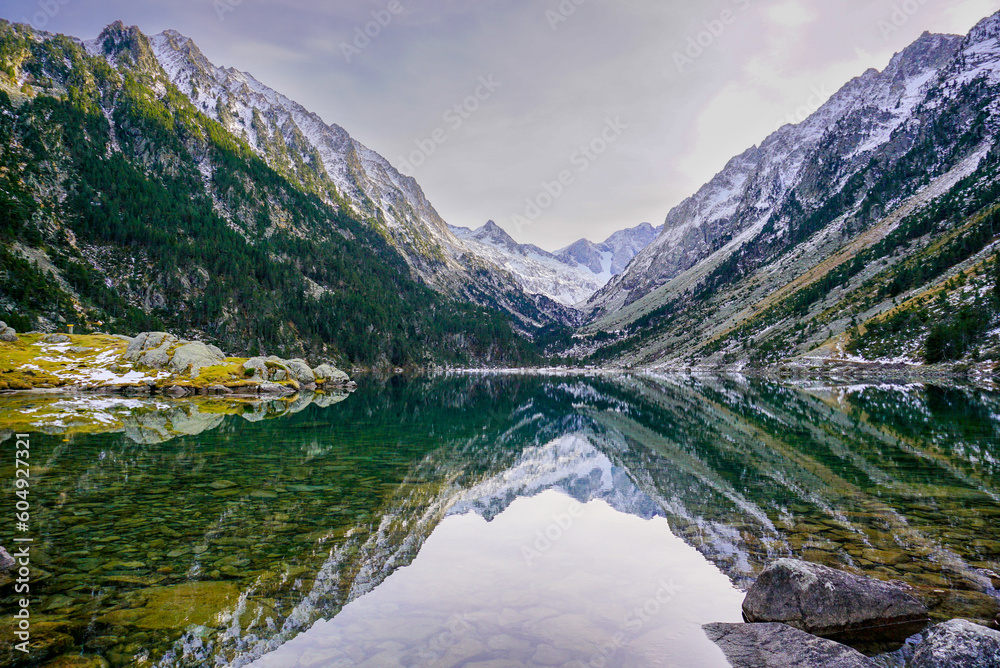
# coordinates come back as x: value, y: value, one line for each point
x: 485, y: 520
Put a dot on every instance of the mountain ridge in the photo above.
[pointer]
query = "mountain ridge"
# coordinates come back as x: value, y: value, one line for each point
x: 801, y: 247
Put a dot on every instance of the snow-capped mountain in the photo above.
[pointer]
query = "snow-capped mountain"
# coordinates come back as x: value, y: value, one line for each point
x: 805, y: 247
x: 298, y: 143
x: 570, y: 275
x: 804, y: 166
x: 612, y: 256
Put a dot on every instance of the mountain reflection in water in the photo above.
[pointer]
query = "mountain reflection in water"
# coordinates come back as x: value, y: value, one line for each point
x: 225, y: 545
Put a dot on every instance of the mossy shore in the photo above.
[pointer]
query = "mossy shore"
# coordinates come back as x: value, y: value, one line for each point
x: 101, y: 363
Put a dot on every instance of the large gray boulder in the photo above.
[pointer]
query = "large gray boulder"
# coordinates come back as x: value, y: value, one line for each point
x: 7, y: 333
x: 277, y: 369
x: 780, y: 646
x: 958, y: 644
x: 56, y: 338
x: 300, y: 371
x: 331, y: 375
x: 255, y: 368
x: 193, y: 357
x: 150, y: 349
x: 832, y: 603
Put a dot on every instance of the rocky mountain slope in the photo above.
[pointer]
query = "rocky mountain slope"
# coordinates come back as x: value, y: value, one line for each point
x: 340, y: 170
x: 570, y: 275
x: 125, y: 207
x: 880, y: 203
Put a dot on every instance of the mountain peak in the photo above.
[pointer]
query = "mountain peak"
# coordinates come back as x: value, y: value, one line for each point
x: 986, y: 30
x: 120, y: 42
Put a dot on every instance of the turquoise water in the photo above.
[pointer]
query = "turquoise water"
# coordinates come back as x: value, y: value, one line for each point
x: 464, y: 521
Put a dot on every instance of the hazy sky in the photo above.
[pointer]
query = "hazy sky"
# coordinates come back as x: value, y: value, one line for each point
x: 634, y: 103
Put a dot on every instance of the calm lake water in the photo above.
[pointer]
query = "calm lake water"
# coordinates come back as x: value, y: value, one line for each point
x: 485, y: 521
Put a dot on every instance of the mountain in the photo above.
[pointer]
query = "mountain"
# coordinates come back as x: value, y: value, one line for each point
x: 340, y: 170
x: 880, y: 205
x: 611, y: 257
x: 125, y: 206
x: 570, y: 275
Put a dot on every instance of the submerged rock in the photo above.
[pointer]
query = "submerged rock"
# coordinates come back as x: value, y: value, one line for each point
x: 958, y: 644
x: 774, y: 645
x: 77, y: 661
x: 832, y: 603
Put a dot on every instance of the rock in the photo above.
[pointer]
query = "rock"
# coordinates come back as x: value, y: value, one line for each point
x: 992, y: 576
x: 958, y: 644
x: 177, y: 606
x: 279, y: 375
x: 56, y: 338
x: 218, y: 389
x: 149, y: 349
x: 274, y: 388
x: 79, y: 349
x: 300, y: 371
x: 191, y: 358
x: 7, y: 334
x: 6, y: 561
x: 175, y: 391
x: 258, y: 367
x: 832, y: 603
x: 331, y: 375
x: 773, y: 645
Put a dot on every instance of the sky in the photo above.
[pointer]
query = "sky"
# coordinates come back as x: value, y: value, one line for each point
x: 558, y: 119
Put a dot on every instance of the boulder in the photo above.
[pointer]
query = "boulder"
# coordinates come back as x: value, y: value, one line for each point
x: 7, y: 334
x: 832, y: 603
x: 274, y: 388
x: 149, y: 349
x: 193, y: 357
x: 958, y: 644
x: 218, y: 389
x: 331, y: 375
x: 257, y: 366
x: 6, y: 561
x: 300, y: 371
x: 175, y: 391
x: 56, y: 338
x: 774, y: 645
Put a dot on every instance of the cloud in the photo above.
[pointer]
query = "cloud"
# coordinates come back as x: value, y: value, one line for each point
x: 791, y: 14
x: 561, y: 82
